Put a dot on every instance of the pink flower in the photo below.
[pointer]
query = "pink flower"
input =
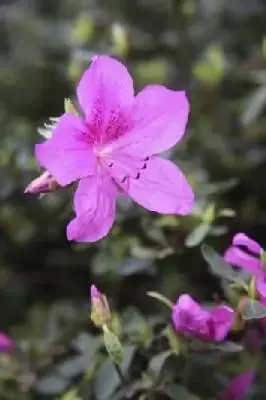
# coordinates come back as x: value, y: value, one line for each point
x: 45, y: 183
x: 114, y: 148
x: 192, y: 320
x: 6, y: 344
x: 250, y: 260
x: 239, y: 386
x: 100, y: 311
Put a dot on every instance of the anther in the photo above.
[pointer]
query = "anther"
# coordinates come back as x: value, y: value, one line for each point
x: 137, y: 176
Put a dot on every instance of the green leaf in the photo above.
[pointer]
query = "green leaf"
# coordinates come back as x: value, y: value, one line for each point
x: 71, y: 395
x: 174, y: 391
x: 197, y: 235
x: 253, y: 310
x: 220, y: 267
x: 133, y: 266
x: 51, y: 384
x: 73, y: 366
x: 113, y: 346
x: 227, y: 212
x: 107, y: 379
x: 254, y: 105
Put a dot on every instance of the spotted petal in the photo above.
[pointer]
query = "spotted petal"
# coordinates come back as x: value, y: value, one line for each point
x: 160, y: 187
x: 159, y: 120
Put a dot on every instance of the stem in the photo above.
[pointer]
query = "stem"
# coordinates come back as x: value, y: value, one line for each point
x: 161, y: 298
x: 186, y: 374
x: 120, y: 374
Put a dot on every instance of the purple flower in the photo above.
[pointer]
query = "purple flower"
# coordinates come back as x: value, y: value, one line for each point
x: 6, y: 344
x: 100, y: 311
x: 114, y: 148
x: 249, y: 259
x: 239, y: 386
x: 192, y: 320
x: 45, y: 183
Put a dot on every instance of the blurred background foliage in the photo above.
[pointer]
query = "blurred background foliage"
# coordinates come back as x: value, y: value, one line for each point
x: 216, y: 51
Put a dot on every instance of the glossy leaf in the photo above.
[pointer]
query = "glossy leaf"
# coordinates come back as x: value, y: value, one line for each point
x: 219, y: 266
x: 253, y: 310
x: 197, y: 235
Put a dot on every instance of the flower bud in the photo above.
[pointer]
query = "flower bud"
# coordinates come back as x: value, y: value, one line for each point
x: 113, y: 346
x: 100, y: 311
x: 45, y: 183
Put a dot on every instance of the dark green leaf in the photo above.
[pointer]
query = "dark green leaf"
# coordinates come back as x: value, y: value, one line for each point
x: 73, y: 366
x: 254, y: 105
x: 157, y: 362
x: 51, y: 384
x: 174, y: 392
x: 136, y: 265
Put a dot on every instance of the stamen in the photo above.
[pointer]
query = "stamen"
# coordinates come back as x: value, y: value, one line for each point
x: 137, y: 176
x: 124, y: 179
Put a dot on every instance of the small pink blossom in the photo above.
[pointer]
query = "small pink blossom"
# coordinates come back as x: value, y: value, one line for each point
x: 6, y: 343
x: 239, y: 386
x: 100, y: 311
x: 249, y: 259
x: 45, y: 183
x: 192, y: 320
x: 114, y: 149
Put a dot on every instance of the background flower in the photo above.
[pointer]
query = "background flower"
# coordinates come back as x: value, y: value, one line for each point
x: 190, y: 319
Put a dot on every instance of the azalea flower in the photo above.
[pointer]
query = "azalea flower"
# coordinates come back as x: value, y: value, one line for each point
x: 6, y: 343
x: 239, y: 386
x: 249, y: 259
x: 113, y: 147
x: 192, y: 320
x: 100, y: 311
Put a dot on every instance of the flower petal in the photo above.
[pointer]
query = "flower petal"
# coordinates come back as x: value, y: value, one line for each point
x: 239, y: 258
x: 159, y: 120
x: 223, y: 318
x: 189, y: 318
x: 185, y: 302
x: 106, y: 95
x: 67, y: 156
x: 94, y: 203
x: 160, y: 187
x: 239, y: 386
x: 240, y: 239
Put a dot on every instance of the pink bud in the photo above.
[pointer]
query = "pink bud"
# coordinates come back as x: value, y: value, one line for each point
x: 6, y: 343
x: 95, y: 294
x: 100, y: 311
x: 45, y: 183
